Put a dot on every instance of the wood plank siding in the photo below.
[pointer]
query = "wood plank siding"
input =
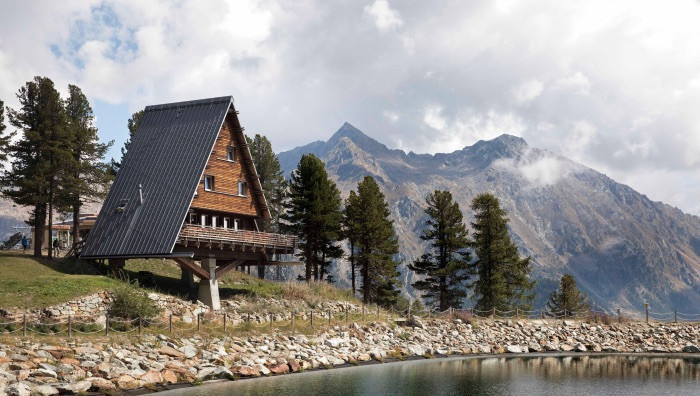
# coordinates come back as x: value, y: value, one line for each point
x: 227, y: 175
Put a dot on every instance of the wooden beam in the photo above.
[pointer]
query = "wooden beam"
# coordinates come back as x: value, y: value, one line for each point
x: 223, y: 269
x: 189, y: 265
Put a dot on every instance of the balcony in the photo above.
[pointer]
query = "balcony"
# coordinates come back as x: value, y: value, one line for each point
x: 222, y: 238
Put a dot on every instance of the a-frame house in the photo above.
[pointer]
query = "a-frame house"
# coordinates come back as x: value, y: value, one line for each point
x: 187, y: 190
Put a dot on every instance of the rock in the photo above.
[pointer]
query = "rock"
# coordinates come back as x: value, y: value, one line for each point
x: 580, y: 347
x: 566, y: 347
x: 152, y: 377
x: 569, y: 323
x: 86, y: 350
x: 294, y: 366
x: 245, y: 371
x: 169, y: 376
x: 484, y: 349
x: 334, y: 342
x: 73, y: 388
x: 170, y: 351
x: 189, y: 351
x: 262, y: 369
x: 691, y: 349
x: 514, y: 349
x: 279, y: 369
x: 364, y: 357
x: 44, y: 390
x: 42, y: 372
x: 101, y: 385
x: 18, y: 389
x: 126, y: 382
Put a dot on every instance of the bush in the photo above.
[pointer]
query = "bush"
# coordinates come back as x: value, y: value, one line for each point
x: 130, y: 303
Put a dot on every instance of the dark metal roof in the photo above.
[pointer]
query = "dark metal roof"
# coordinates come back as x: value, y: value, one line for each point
x: 167, y: 156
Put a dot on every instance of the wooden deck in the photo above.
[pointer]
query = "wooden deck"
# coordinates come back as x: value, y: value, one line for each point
x: 243, y: 240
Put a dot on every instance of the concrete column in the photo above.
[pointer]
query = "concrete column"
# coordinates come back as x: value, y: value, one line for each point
x: 209, y: 288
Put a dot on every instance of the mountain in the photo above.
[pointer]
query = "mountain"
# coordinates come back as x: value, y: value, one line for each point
x: 622, y: 248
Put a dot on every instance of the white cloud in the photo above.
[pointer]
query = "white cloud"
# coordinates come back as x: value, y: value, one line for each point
x: 384, y: 17
x: 391, y: 116
x: 527, y: 91
x: 432, y: 117
x: 538, y: 170
x: 576, y: 82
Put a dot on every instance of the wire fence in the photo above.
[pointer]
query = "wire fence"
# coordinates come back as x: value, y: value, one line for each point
x: 310, y: 319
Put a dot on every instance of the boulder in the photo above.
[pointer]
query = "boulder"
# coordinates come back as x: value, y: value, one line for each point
x: 335, y: 342
x: 44, y: 390
x: 691, y: 349
x: 152, y: 377
x: 170, y: 351
x: 279, y: 369
x: 514, y: 349
x: 127, y: 382
x: 169, y: 376
x: 101, y: 385
x: 294, y: 365
x: 73, y: 388
x: 18, y: 389
x: 580, y: 347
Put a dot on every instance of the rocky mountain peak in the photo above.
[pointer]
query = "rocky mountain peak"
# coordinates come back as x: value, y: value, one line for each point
x: 361, y: 140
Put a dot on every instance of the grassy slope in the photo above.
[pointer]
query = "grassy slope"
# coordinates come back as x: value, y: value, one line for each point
x: 30, y: 282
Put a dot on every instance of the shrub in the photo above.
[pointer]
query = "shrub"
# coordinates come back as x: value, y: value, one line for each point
x: 130, y: 303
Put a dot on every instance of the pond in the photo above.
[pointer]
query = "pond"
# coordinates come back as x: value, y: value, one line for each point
x: 531, y: 375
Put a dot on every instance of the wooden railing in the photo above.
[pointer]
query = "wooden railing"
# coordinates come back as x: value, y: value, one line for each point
x: 243, y: 237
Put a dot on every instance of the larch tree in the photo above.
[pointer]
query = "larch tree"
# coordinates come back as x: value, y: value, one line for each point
x: 568, y: 300
x: 367, y: 214
x: 446, y: 265
x: 40, y: 156
x: 88, y: 177
x: 503, y: 281
x: 312, y: 211
x: 132, y: 125
x: 271, y: 177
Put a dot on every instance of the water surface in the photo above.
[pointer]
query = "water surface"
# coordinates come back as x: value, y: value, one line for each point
x: 538, y: 375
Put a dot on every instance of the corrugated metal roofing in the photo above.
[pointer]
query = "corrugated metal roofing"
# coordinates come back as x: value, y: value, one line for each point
x: 167, y: 156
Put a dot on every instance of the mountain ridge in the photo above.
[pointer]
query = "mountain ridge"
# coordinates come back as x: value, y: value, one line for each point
x: 623, y: 248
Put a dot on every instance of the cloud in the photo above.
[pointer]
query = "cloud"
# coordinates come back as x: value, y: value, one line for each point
x: 384, y: 17
x: 538, y: 170
x: 432, y: 117
x: 576, y: 82
x: 527, y: 91
x: 391, y: 116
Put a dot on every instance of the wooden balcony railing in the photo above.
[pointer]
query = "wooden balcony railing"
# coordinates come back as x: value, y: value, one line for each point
x: 192, y: 232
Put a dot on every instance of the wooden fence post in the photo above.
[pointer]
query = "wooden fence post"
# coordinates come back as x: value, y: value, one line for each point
x: 541, y: 314
x: 140, y: 325
x: 517, y: 311
x: 377, y: 311
x: 106, y: 324
x: 292, y: 320
x: 248, y: 317
x: 312, y: 318
x: 346, y: 312
x: 329, y: 317
x: 675, y: 316
x: 24, y: 325
x: 199, y: 316
x: 170, y: 324
x: 224, y: 321
x: 409, y: 310
x: 70, y: 326
x: 363, y: 311
x: 493, y: 313
x: 646, y: 311
x: 619, y: 316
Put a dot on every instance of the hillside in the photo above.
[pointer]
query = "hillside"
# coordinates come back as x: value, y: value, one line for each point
x: 623, y: 248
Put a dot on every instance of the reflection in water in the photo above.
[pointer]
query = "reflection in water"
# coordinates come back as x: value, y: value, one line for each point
x: 628, y: 375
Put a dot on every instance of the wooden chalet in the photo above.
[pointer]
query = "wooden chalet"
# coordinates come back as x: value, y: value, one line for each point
x: 188, y: 190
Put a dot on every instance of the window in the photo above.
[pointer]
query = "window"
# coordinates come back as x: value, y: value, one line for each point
x: 204, y: 220
x: 227, y: 221
x: 242, y: 188
x: 193, y: 218
x: 230, y: 153
x: 236, y: 224
x: 208, y: 183
x: 214, y: 220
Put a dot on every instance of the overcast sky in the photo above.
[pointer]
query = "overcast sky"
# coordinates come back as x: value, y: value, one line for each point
x: 614, y: 85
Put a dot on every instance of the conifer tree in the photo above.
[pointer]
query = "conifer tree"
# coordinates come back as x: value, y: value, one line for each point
x: 313, y: 213
x: 367, y: 216
x: 4, y: 139
x: 351, y: 229
x: 568, y: 300
x: 503, y: 277
x: 447, y: 264
x: 40, y: 156
x: 88, y: 176
x: 271, y: 177
x: 132, y: 125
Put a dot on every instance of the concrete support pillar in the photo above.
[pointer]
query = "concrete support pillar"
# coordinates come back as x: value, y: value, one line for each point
x: 209, y: 288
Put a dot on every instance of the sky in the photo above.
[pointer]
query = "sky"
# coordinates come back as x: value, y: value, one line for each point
x: 612, y: 85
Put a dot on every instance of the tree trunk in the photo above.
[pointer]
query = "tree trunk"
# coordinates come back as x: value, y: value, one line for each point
x: 39, y: 220
x: 352, y: 267
x: 51, y: 223
x: 366, y: 283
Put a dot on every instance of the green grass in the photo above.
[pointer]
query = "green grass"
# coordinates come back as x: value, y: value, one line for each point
x: 29, y: 282
x: 38, y: 283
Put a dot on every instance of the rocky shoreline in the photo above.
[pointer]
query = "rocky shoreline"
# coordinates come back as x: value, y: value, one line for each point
x: 48, y: 366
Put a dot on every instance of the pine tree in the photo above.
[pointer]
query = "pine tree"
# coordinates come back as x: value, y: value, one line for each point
x: 367, y: 216
x: 351, y: 228
x: 4, y: 139
x: 568, y: 300
x: 503, y: 277
x: 88, y: 177
x: 40, y: 156
x: 313, y: 213
x: 132, y: 125
x: 447, y: 265
x: 271, y: 177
